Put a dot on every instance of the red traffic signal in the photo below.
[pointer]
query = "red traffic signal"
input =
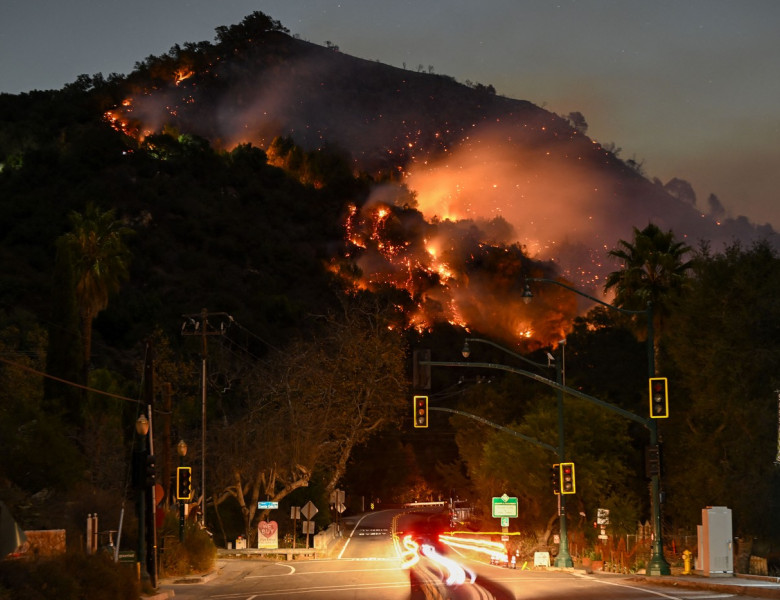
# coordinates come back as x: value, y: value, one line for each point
x: 659, y: 398
x: 420, y: 405
x: 568, y: 485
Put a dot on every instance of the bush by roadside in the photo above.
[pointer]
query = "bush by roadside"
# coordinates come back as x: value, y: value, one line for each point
x: 70, y: 576
x: 195, y: 555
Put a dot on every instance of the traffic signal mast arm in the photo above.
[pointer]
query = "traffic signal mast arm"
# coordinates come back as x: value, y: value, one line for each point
x: 534, y: 441
x: 567, y: 390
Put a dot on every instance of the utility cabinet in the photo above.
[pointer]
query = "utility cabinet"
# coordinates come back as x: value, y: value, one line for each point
x: 716, y: 544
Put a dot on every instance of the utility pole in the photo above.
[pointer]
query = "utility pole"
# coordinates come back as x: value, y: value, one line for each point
x: 166, y: 444
x: 198, y: 324
x: 151, y: 500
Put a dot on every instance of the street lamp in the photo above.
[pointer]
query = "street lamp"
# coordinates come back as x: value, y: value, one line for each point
x: 181, y: 450
x: 564, y: 558
x: 142, y: 429
x: 658, y: 564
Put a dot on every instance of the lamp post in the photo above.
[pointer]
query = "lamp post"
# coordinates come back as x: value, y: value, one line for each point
x: 564, y: 558
x: 658, y: 564
x: 181, y: 450
x: 142, y: 429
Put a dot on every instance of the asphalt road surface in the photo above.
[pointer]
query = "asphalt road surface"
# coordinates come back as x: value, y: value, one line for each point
x: 374, y: 564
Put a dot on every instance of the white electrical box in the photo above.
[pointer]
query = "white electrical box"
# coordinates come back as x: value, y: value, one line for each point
x: 716, y: 544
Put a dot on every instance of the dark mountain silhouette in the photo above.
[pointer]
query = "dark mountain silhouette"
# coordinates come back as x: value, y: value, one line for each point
x: 467, y: 152
x: 238, y: 161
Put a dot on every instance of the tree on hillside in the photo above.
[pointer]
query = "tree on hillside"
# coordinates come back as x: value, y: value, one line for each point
x: 653, y: 271
x: 308, y: 408
x: 100, y: 257
x: 65, y: 354
x: 251, y: 30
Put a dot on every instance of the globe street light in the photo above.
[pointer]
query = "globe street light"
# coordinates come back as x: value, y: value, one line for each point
x: 658, y: 564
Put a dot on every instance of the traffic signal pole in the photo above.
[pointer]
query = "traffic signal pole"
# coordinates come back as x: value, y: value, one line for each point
x: 564, y: 557
x: 657, y: 564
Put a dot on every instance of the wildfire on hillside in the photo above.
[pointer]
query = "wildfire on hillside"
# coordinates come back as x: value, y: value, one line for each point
x: 451, y: 274
x: 476, y: 213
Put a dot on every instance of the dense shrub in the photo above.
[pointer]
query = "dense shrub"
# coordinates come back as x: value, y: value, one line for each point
x: 195, y: 555
x: 70, y: 576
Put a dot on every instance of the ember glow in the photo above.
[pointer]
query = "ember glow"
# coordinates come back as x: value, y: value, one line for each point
x: 449, y: 273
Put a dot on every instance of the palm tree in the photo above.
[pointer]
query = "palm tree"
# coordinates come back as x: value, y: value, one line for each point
x: 99, y: 262
x: 653, y: 271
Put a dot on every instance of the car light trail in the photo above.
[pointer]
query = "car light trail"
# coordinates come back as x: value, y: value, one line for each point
x: 495, y: 550
x: 409, y: 555
x: 457, y: 574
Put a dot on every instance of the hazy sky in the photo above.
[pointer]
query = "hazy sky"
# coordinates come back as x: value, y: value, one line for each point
x: 691, y: 89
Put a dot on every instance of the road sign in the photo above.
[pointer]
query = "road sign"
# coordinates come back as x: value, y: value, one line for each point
x: 295, y: 512
x: 504, y: 521
x: 267, y: 504
x: 308, y: 527
x: 309, y: 510
x: 505, y: 506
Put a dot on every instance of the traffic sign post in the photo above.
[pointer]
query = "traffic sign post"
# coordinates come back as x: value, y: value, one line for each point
x: 295, y: 514
x: 308, y: 511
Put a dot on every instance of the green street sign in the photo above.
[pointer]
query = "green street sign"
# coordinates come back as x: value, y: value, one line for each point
x: 504, y: 506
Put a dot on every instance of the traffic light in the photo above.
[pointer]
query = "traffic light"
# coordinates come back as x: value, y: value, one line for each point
x: 420, y: 404
x: 567, y: 478
x: 421, y: 374
x: 659, y: 398
x: 149, y: 475
x: 555, y: 478
x: 183, y: 483
x: 652, y: 460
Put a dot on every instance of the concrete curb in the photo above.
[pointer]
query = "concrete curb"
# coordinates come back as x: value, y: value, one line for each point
x: 724, y: 585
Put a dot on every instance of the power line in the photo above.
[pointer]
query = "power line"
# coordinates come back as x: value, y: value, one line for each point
x: 66, y: 382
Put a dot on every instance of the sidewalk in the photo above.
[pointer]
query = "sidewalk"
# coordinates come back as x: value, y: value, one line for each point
x: 754, y: 586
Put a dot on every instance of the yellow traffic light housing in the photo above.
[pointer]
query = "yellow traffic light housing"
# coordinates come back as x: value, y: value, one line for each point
x: 420, y: 405
x: 659, y: 398
x: 568, y: 485
x: 183, y: 483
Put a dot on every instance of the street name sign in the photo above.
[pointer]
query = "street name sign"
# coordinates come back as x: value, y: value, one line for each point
x: 504, y: 506
x: 267, y: 504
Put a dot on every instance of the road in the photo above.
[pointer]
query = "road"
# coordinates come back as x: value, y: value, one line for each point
x: 372, y: 564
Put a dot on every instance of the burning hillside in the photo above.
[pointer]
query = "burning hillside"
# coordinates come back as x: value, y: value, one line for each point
x: 500, y: 186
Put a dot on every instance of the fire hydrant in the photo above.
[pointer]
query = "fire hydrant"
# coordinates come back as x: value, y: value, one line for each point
x: 687, y: 562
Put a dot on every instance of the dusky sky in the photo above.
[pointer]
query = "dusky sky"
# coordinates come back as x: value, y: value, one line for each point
x: 687, y: 88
